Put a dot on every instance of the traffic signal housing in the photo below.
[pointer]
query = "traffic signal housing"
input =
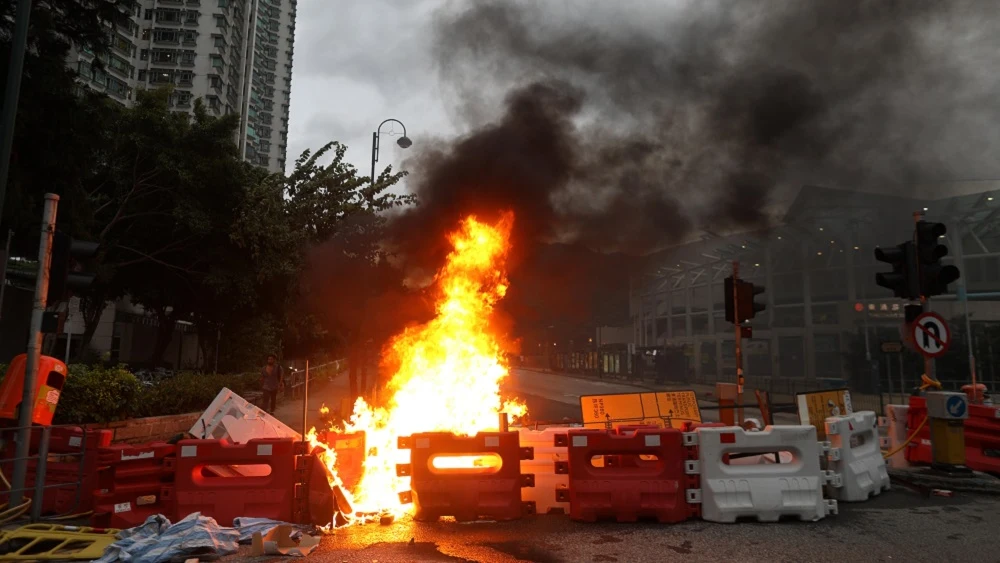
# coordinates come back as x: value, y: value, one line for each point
x: 66, y: 273
x: 934, y: 277
x: 744, y: 308
x: 902, y: 281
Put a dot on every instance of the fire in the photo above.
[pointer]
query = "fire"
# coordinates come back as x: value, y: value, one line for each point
x: 449, y: 372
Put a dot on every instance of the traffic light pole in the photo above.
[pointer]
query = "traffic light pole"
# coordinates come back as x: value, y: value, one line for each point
x: 925, y: 301
x: 26, y: 409
x: 739, y: 342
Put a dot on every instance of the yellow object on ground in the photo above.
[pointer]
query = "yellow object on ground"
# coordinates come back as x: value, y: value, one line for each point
x: 51, y: 542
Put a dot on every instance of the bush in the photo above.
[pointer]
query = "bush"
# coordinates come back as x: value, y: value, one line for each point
x: 190, y: 392
x: 97, y: 394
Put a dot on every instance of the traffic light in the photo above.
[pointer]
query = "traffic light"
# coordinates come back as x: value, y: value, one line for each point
x: 903, y: 278
x: 934, y: 277
x: 65, y: 272
x: 748, y: 308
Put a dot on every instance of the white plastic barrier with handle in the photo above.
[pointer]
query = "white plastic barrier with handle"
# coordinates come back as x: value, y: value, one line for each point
x: 547, y: 481
x: 854, y: 454
x: 234, y: 418
x: 765, y: 492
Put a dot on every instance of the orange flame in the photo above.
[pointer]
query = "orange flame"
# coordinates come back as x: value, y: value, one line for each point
x: 449, y: 372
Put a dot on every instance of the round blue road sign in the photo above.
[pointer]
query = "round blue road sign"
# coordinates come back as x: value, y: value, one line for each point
x: 956, y: 406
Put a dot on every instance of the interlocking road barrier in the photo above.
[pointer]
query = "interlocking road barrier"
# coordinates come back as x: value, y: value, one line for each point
x: 856, y: 456
x: 350, y: 451
x: 135, y: 482
x: 264, y: 485
x: 896, y: 435
x: 543, y: 467
x: 763, y: 492
x: 468, y: 477
x: 982, y: 436
x: 653, y: 476
x: 49, y: 542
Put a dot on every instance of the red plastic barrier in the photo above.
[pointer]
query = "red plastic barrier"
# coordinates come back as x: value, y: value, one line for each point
x: 350, y: 452
x: 73, y: 463
x: 263, y: 485
x: 467, y: 493
x: 982, y: 436
x: 648, y: 489
x: 135, y: 482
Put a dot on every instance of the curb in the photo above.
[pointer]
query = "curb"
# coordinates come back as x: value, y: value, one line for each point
x: 922, y: 477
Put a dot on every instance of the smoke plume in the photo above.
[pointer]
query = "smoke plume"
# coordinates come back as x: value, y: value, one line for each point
x: 626, y: 126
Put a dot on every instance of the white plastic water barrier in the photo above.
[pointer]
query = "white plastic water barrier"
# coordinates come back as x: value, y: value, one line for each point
x: 543, y: 494
x: 234, y: 418
x: 765, y: 492
x: 854, y: 454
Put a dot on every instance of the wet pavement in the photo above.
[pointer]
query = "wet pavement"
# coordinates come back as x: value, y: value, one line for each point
x: 897, y: 526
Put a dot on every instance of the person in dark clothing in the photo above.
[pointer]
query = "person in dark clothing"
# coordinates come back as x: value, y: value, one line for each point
x: 271, y: 381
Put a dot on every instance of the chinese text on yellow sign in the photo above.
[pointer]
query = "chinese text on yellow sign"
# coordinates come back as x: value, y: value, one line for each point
x: 815, y: 407
x: 657, y: 409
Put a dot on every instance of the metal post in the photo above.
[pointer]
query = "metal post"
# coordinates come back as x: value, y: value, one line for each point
x: 43, y: 458
x: 888, y: 377
x: 374, y: 158
x: 13, y: 92
x: 964, y: 295
x: 69, y: 338
x: 902, y: 381
x: 305, y: 403
x: 739, y: 341
x: 3, y: 266
x: 218, y: 344
x: 25, y: 409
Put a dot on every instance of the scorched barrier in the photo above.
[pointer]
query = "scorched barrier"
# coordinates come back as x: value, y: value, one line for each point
x: 765, y: 492
x: 854, y: 454
x: 468, y: 477
x: 662, y: 484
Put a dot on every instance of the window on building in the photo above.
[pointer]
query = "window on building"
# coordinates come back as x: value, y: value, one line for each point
x: 679, y: 325
x: 186, y: 78
x: 788, y: 317
x: 144, y: 55
x: 165, y: 36
x: 701, y: 295
x: 217, y: 61
x: 791, y: 357
x: 164, y: 57
x: 828, y: 314
x: 191, y: 16
x: 142, y: 76
x: 146, y: 33
x: 758, y: 353
x: 159, y: 76
x: 149, y: 14
x: 223, y: 3
x: 787, y: 288
x: 219, y: 40
x: 678, y: 302
x: 216, y: 82
x: 828, y: 285
x: 190, y: 37
x: 187, y: 58
x: 699, y: 324
x: 829, y: 358
x: 166, y: 15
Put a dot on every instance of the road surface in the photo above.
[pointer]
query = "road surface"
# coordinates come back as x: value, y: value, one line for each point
x: 899, y: 526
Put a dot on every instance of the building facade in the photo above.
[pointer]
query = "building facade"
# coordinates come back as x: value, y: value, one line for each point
x: 818, y: 269
x: 235, y: 55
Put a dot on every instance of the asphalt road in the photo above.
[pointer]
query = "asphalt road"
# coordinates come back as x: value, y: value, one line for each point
x: 896, y: 527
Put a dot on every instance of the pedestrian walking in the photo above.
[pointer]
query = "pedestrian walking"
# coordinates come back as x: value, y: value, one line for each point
x: 270, y: 382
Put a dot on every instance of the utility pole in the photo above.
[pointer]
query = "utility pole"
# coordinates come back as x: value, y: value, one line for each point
x: 14, y: 70
x: 6, y: 259
x: 25, y: 411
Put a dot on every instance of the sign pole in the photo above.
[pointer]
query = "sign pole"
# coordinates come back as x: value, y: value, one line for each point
x: 305, y: 403
x: 739, y: 342
x: 26, y: 408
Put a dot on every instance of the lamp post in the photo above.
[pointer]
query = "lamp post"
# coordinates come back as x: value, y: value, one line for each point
x: 404, y: 142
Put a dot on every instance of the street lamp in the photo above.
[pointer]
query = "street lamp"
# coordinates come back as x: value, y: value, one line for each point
x: 404, y: 142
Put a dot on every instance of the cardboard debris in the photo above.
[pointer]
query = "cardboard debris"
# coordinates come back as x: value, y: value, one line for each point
x: 279, y: 541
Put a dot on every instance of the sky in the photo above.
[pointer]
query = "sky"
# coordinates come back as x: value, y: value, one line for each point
x: 357, y: 64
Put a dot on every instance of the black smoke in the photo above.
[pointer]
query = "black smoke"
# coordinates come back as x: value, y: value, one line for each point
x: 628, y: 125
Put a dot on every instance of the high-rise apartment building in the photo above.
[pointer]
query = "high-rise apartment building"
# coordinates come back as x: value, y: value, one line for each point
x: 236, y: 55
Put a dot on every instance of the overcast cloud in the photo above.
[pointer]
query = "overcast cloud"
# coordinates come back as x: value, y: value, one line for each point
x: 356, y: 64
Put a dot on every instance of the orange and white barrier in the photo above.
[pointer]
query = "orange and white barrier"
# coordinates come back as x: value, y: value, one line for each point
x: 764, y: 492
x: 543, y: 466
x: 854, y: 454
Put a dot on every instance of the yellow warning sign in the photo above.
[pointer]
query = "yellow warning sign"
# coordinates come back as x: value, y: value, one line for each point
x: 659, y: 409
x: 816, y: 406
